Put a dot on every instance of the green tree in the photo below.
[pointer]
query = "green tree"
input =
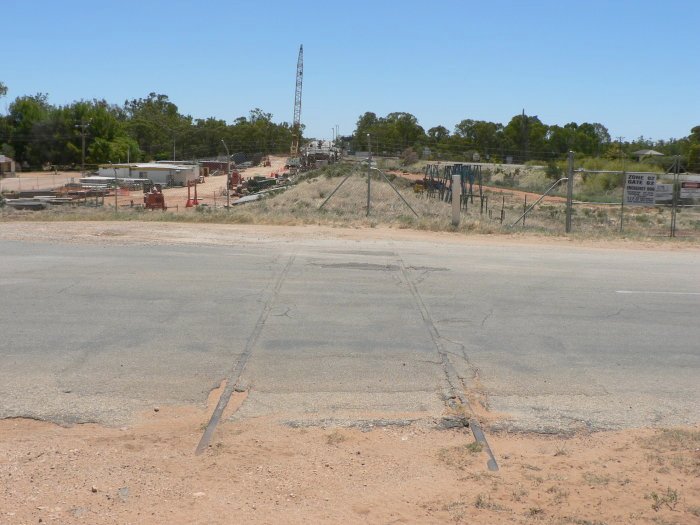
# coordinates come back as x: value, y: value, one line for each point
x: 480, y: 135
x: 25, y: 115
x: 525, y: 138
x: 694, y: 150
x: 438, y: 134
x: 155, y: 123
x: 390, y: 134
x: 402, y: 131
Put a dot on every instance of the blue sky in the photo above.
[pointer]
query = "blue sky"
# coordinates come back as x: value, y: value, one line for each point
x: 633, y: 66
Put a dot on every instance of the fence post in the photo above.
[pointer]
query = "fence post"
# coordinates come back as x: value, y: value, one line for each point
x: 569, y: 190
x: 676, y: 189
x: 369, y: 171
x: 456, y: 198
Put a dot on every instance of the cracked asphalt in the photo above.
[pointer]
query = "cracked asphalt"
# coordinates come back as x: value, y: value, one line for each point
x: 558, y: 338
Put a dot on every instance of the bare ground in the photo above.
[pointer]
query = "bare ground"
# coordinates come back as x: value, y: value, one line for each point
x: 263, y: 471
x: 135, y: 232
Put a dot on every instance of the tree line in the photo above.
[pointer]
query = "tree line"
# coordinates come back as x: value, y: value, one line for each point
x: 37, y: 133
x: 523, y: 138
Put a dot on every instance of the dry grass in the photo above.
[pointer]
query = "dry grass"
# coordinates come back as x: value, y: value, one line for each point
x: 335, y: 437
x: 347, y: 208
x: 298, y: 205
x: 673, y: 450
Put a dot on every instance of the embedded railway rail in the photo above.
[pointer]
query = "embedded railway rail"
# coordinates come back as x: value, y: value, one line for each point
x: 456, y: 400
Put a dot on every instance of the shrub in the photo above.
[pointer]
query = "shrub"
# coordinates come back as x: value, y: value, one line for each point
x: 408, y: 157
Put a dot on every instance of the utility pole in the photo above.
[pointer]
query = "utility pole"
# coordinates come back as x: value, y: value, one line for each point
x: 369, y: 170
x: 228, y: 176
x: 83, y: 127
x: 525, y: 137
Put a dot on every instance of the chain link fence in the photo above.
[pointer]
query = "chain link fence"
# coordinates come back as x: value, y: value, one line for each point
x: 597, y: 201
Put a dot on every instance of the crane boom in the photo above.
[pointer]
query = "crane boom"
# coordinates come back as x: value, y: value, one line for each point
x: 296, y: 126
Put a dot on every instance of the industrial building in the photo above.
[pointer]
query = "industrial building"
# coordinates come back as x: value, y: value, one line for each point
x: 157, y: 173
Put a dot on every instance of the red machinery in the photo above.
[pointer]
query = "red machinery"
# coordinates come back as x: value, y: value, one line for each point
x: 234, y: 180
x: 154, y: 199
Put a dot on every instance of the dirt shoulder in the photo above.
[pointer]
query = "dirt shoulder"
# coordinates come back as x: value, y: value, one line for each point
x: 153, y: 233
x: 262, y: 471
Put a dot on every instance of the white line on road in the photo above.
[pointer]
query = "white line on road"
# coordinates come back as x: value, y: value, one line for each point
x: 655, y: 293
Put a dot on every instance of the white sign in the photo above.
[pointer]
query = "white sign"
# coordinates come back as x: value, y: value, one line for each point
x: 640, y: 189
x: 690, y: 189
x: 664, y: 193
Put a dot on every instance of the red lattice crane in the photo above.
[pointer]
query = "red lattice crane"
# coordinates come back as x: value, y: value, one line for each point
x: 296, y: 126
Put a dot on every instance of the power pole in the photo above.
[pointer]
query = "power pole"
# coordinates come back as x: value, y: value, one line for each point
x: 526, y: 138
x: 83, y: 127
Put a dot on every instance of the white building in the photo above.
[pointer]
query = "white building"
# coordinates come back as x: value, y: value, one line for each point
x: 157, y: 173
x: 7, y: 167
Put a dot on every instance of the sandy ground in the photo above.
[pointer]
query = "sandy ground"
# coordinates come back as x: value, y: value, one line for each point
x: 264, y: 471
x: 134, y: 232
x: 211, y: 192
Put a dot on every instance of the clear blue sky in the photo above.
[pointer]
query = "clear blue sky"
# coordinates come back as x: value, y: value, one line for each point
x: 633, y: 66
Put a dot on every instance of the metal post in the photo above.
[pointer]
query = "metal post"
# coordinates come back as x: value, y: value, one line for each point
x: 456, y: 198
x: 397, y: 191
x: 622, y: 201
x: 336, y: 189
x: 82, y: 158
x: 524, y: 210
x: 369, y: 171
x: 624, y: 187
x: 228, y: 176
x: 569, y: 191
x: 116, y: 204
x: 676, y: 170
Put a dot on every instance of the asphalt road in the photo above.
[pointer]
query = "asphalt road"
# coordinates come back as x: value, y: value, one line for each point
x: 558, y: 338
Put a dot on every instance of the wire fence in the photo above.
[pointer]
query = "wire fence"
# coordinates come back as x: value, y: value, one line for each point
x: 599, y: 203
